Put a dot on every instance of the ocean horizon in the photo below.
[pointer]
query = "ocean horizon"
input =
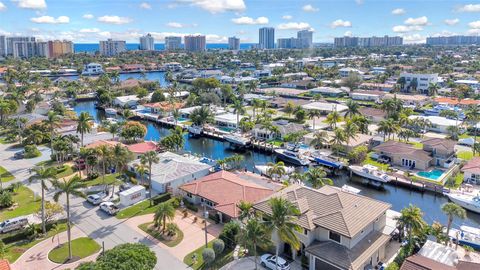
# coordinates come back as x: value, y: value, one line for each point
x: 93, y: 47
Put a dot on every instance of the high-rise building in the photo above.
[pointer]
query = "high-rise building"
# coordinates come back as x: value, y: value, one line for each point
x: 3, y: 46
x: 195, y: 43
x: 454, y: 40
x: 233, y: 43
x: 27, y: 49
x: 12, y: 40
x: 57, y: 48
x: 147, y: 43
x: 305, y: 39
x: 266, y: 38
x: 368, y: 41
x: 173, y: 43
x: 112, y: 47
x: 287, y: 43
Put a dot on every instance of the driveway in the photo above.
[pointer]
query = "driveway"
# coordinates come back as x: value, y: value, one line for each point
x: 248, y: 263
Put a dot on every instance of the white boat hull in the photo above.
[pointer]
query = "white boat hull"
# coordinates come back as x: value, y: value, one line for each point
x: 237, y: 140
x: 360, y: 172
x: 111, y: 111
x: 195, y: 130
x: 463, y: 202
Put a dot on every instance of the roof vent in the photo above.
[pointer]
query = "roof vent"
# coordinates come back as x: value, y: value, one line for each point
x: 356, y: 205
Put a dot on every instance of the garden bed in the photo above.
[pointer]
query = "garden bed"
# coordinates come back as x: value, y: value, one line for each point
x: 157, y: 234
x: 5, y: 175
x: 220, y: 261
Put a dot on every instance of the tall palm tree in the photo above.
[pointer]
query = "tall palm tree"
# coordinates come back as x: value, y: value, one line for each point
x: 388, y: 127
x: 150, y: 158
x: 433, y: 89
x: 256, y: 103
x: 320, y: 139
x: 238, y: 108
x: 472, y: 115
x: 316, y: 177
x: 338, y: 139
x: 412, y: 219
x: 276, y: 169
x: 312, y: 114
x: 350, y: 129
x: 68, y: 187
x: 165, y: 211
x: 352, y: 108
x: 254, y: 234
x: 114, y: 128
x: 121, y: 156
x: 201, y: 116
x: 43, y: 175
x: 176, y: 114
x: 332, y: 119
x: 53, y: 122
x: 453, y: 210
x: 141, y: 170
x: 105, y: 152
x: 83, y: 124
x: 246, y: 210
x: 282, y: 221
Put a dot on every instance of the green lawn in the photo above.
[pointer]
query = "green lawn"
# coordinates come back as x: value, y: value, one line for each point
x: 5, y: 175
x: 370, y: 161
x: 109, y: 179
x: 148, y: 228
x: 26, y: 204
x: 141, y: 208
x: 64, y: 171
x: 224, y: 258
x: 465, y: 155
x: 276, y: 142
x: 47, y: 163
x: 81, y: 247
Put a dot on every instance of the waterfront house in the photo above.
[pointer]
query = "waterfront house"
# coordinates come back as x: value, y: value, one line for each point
x: 139, y: 149
x: 438, y: 123
x: 410, y: 100
x: 373, y: 114
x: 172, y: 171
x: 163, y: 108
x: 404, y: 155
x: 339, y: 229
x: 228, y: 120
x: 282, y: 91
x: 126, y: 101
x: 345, y: 72
x: 442, y: 151
x: 418, y: 82
x: 455, y: 102
x: 471, y: 171
x: 222, y: 191
x: 328, y: 91
x: 280, y: 102
x: 284, y: 127
x: 324, y: 107
x: 387, y: 87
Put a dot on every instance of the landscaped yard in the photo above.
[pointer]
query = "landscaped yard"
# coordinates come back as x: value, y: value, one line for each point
x: 370, y: 161
x: 465, y: 155
x: 224, y: 258
x: 109, y: 179
x: 64, y: 171
x: 24, y: 198
x: 5, y: 175
x: 143, y: 207
x: 151, y: 230
x: 81, y: 247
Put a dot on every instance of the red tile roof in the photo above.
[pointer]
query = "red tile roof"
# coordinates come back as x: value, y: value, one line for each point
x: 472, y: 166
x: 98, y: 143
x: 454, y: 101
x: 4, y: 265
x: 143, y: 147
x: 226, y: 190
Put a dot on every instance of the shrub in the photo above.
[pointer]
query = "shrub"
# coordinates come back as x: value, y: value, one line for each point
x: 218, y: 246
x: 6, y: 199
x: 92, y: 175
x: 208, y: 255
x: 392, y: 266
x: 124, y: 256
x: 190, y: 206
x: 171, y: 229
x: 161, y: 198
x: 229, y: 234
x: 358, y: 154
x: 31, y: 151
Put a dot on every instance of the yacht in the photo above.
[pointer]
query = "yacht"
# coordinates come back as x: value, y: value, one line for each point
x: 263, y: 169
x: 92, y: 69
x: 111, y: 111
x: 370, y: 172
x: 350, y: 189
x: 111, y: 120
x: 466, y: 235
x: 468, y: 201
x: 292, y: 156
x: 237, y: 139
x: 195, y: 130
x: 323, y: 159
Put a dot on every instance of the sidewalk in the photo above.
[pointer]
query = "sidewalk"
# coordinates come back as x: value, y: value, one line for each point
x: 37, y: 256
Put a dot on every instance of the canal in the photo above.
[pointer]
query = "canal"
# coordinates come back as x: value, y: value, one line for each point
x: 398, y: 197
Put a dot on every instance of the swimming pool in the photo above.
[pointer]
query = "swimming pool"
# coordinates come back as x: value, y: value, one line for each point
x: 433, y: 174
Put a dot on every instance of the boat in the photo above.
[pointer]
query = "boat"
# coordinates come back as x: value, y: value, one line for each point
x: 350, y: 189
x: 466, y: 235
x: 327, y: 161
x: 263, y: 169
x: 111, y: 111
x: 436, y: 111
x: 237, y: 139
x: 370, y: 172
x: 468, y: 201
x: 111, y: 120
x: 292, y: 156
x: 195, y: 130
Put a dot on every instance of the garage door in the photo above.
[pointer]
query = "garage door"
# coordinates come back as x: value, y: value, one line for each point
x: 321, y: 265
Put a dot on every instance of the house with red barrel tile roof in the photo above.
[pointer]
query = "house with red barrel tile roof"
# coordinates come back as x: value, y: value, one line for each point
x: 139, y: 149
x: 471, y: 171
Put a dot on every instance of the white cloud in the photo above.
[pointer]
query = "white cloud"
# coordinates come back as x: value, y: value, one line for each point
x: 474, y: 25
x: 469, y: 8
x: 2, y: 6
x: 51, y: 20
x: 415, y: 38
x: 287, y: 17
x: 88, y: 16
x: 473, y: 32
x: 31, y: 4
x: 294, y: 26
x: 250, y: 21
x: 451, y: 21
x: 175, y: 25
x: 444, y: 33
x: 417, y: 21
x: 406, y: 28
x: 348, y: 34
x: 398, y: 11
x: 340, y: 23
x: 309, y: 8
x: 89, y: 30
x: 114, y: 19
x: 217, y: 6
x: 145, y: 5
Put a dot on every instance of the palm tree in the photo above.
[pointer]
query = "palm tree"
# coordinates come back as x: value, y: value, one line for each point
x: 332, y: 119
x: 238, y: 108
x: 121, y: 158
x: 150, y: 158
x: 453, y: 210
x: 412, y: 220
x: 254, y: 234
x: 296, y: 177
x: 350, y: 129
x: 352, y: 108
x: 68, y: 187
x: 83, y: 124
x: 256, y: 103
x: 312, y: 114
x: 53, y: 122
x: 164, y: 211
x: 141, y: 170
x: 176, y: 114
x: 245, y: 210
x: 201, y: 116
x: 338, y: 139
x: 105, y: 152
x: 316, y: 177
x: 114, y: 128
x: 388, y: 127
x: 472, y: 115
x: 276, y: 169
x: 282, y: 220
x: 319, y: 139
x: 433, y: 89
x: 43, y: 174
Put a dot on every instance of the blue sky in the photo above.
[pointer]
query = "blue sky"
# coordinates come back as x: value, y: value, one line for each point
x: 85, y: 21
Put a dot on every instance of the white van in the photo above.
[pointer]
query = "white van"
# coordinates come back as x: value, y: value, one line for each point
x: 13, y: 224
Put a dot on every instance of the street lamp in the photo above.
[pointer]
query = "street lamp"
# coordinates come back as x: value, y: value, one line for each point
x: 205, y: 215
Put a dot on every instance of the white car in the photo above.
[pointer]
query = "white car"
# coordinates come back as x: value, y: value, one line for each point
x: 109, y: 208
x: 269, y: 261
x: 96, y: 199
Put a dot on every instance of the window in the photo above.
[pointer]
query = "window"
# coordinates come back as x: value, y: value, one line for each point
x: 189, y: 195
x: 305, y: 231
x: 334, y: 236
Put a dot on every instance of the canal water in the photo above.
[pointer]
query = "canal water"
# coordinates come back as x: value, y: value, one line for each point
x: 398, y: 197
x: 151, y: 76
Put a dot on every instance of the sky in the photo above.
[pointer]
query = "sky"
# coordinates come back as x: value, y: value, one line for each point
x: 88, y: 21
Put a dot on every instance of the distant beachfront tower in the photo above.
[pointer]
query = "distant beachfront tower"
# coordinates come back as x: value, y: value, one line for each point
x: 195, y: 43
x: 233, y: 43
x: 173, y: 43
x: 305, y: 39
x: 147, y: 43
x: 266, y: 38
x: 112, y: 47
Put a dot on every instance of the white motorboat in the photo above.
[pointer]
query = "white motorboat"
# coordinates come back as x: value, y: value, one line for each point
x: 468, y: 201
x: 350, y: 189
x: 111, y: 120
x: 263, y: 169
x: 237, y: 139
x: 195, y: 130
x: 292, y: 156
x: 370, y: 172
x: 466, y: 235
x: 111, y: 111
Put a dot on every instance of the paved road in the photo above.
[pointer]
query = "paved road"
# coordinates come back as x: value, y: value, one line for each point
x: 89, y: 219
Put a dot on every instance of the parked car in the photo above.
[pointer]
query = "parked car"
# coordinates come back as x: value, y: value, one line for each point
x: 13, y: 224
x: 269, y: 261
x: 96, y: 199
x: 125, y: 186
x: 109, y: 208
x: 19, y: 155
